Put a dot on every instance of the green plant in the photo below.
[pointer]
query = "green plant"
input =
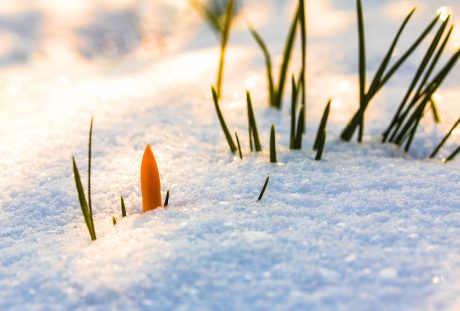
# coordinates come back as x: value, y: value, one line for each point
x: 322, y: 143
x: 239, y: 146
x: 231, y: 144
x: 261, y: 195
x: 253, y: 131
x: 123, y: 207
x: 322, y: 127
x: 382, y: 76
x: 273, y: 145
x: 276, y: 93
x: 223, y: 46
x: 453, y: 155
x: 167, y: 199
x: 85, y: 208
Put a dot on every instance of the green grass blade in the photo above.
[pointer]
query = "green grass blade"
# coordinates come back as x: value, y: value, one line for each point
x: 231, y: 144
x: 362, y: 65
x: 435, y: 111
x: 261, y: 195
x: 319, y: 153
x: 114, y: 220
x: 223, y: 48
x: 123, y: 207
x: 167, y: 199
x: 303, y: 36
x: 444, y: 140
x: 273, y: 145
x: 453, y: 155
x: 208, y: 15
x: 90, y: 143
x: 300, y: 129
x: 322, y: 126
x: 293, y: 113
x: 268, y: 65
x: 286, y: 60
x: 82, y: 199
x: 253, y: 123
x: 239, y: 146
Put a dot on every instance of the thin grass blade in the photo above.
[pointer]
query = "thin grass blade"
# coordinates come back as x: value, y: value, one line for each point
x: 230, y: 142
x: 273, y: 158
x: 453, y: 155
x: 239, y: 146
x: 322, y: 126
x: 253, y: 124
x: 362, y: 65
x: 300, y: 129
x: 225, y: 36
x: 319, y: 153
x: 293, y: 114
x: 123, y: 207
x: 166, y: 203
x: 261, y: 195
x: 82, y: 199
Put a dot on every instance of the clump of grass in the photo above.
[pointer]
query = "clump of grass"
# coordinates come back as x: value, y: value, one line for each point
x: 261, y: 195
x: 253, y: 131
x: 273, y: 158
x: 239, y: 146
x: 85, y: 207
x: 123, y: 207
x: 167, y: 199
x: 322, y: 127
x: 383, y: 74
x: 276, y: 92
x: 409, y: 120
x: 444, y: 140
x: 229, y: 138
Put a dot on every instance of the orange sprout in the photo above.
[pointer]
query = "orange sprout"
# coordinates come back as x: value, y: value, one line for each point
x: 150, y: 182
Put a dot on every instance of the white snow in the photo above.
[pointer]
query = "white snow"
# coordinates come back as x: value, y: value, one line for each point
x: 367, y: 228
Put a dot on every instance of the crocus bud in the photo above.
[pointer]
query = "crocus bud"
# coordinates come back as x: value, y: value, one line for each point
x: 150, y: 182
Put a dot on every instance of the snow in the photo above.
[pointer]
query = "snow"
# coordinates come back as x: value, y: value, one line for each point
x: 367, y: 228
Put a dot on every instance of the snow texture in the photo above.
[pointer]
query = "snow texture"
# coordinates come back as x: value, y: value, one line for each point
x: 367, y: 228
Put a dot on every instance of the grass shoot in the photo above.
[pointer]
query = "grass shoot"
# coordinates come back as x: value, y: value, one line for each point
x: 453, y: 155
x: 322, y: 143
x: 261, y: 195
x: 114, y: 220
x: 239, y: 146
x: 273, y: 158
x: 322, y: 126
x: 167, y: 199
x: 253, y: 131
x: 123, y: 207
x: 229, y: 138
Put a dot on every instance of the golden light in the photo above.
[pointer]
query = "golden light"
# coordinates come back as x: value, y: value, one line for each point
x: 444, y: 12
x: 437, y: 97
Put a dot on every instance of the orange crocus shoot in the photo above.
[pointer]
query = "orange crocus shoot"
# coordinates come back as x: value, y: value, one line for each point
x: 150, y: 182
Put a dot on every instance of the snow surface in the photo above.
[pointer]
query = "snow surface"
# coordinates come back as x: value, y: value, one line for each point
x: 367, y: 228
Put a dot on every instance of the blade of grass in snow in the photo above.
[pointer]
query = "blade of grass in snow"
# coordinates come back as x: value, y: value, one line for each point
x: 268, y: 65
x: 293, y: 113
x: 166, y: 199
x: 322, y: 126
x: 123, y: 207
x: 90, y: 143
x: 231, y: 144
x: 253, y: 125
x: 239, y: 146
x: 319, y: 153
x: 453, y: 155
x: 286, y: 60
x: 382, y: 78
x: 362, y: 65
x: 444, y: 140
x: 114, y: 220
x: 273, y: 145
x: 83, y: 203
x: 303, y: 37
x: 223, y: 47
x: 261, y: 195
x: 300, y: 129
x: 435, y: 111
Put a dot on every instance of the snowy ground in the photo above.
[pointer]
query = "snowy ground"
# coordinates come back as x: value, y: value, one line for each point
x: 368, y: 228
